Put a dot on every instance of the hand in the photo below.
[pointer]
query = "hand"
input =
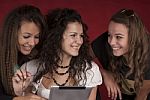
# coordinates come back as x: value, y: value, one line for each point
x: 21, y: 80
x: 112, y: 87
x: 29, y: 97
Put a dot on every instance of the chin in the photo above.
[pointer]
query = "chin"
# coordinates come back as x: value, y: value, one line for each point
x: 26, y: 53
x: 75, y: 54
x: 117, y: 54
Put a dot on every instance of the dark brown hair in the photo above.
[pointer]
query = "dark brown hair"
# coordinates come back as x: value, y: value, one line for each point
x: 57, y: 21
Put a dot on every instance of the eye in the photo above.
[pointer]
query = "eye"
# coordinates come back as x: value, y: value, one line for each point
x: 28, y: 36
x: 82, y: 35
x: 73, y: 35
x: 37, y: 37
x: 119, y: 37
x: 109, y: 36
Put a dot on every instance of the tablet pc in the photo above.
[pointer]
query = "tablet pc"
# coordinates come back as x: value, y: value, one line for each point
x: 69, y: 93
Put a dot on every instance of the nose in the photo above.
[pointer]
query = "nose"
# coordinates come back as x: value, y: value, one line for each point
x: 79, y: 40
x: 111, y: 40
x: 32, y: 42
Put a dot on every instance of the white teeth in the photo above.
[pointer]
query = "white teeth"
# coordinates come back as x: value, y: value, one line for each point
x: 115, y: 48
x: 27, y: 48
x: 75, y: 47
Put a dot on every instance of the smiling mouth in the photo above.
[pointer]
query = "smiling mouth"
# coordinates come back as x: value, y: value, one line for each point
x: 27, y: 48
x: 115, y: 48
x: 76, y: 48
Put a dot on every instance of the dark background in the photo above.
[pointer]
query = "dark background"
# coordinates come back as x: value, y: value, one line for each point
x: 96, y: 13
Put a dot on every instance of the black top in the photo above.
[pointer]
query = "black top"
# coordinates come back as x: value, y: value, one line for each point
x: 100, y: 45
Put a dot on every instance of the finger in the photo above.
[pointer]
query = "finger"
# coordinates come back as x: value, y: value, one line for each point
x: 108, y: 90
x: 27, y: 81
x: 16, y: 78
x: 115, y: 93
x: 19, y: 74
x: 28, y: 74
x: 119, y: 92
x: 24, y: 73
x: 112, y: 91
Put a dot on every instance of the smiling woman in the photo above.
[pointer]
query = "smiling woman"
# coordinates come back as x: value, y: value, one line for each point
x: 126, y: 55
x: 28, y: 37
x: 23, y: 28
x: 118, y: 38
x: 72, y: 39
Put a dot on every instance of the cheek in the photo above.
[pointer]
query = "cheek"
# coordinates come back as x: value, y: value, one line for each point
x: 36, y: 41
x: 20, y: 41
x: 19, y: 46
x: 125, y: 48
x: 82, y: 41
x: 66, y: 45
x: 126, y: 45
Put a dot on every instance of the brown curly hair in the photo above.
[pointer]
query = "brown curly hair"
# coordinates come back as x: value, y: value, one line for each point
x: 57, y: 21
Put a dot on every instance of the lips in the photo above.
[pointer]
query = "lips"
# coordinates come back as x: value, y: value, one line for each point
x: 27, y: 48
x: 76, y: 47
x: 115, y: 48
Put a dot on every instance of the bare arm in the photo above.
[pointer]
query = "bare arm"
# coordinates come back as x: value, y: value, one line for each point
x: 112, y: 87
x: 93, y: 94
x: 144, y: 91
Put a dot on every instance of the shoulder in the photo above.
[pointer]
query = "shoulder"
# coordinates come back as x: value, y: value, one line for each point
x: 31, y: 66
x: 94, y: 75
x: 31, y: 63
x: 94, y: 66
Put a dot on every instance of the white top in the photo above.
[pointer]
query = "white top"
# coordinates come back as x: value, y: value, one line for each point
x: 94, y: 77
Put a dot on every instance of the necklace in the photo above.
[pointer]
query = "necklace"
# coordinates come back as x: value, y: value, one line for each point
x: 61, y: 84
x: 61, y: 73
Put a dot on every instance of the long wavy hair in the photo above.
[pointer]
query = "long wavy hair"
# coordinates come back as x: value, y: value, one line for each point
x: 138, y: 51
x: 57, y: 21
x: 9, y: 41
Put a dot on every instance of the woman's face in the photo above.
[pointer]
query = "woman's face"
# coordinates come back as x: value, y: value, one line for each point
x: 118, y: 38
x: 72, y: 39
x: 28, y: 37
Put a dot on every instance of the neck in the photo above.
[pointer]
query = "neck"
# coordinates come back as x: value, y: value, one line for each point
x: 65, y: 60
x: 22, y: 58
